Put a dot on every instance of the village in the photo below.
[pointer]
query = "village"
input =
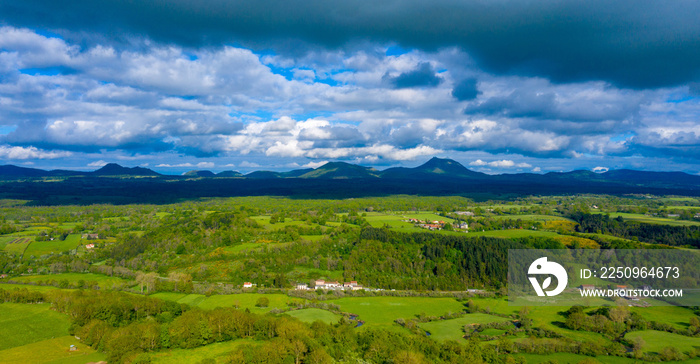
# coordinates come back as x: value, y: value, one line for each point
x: 438, y: 225
x: 320, y: 284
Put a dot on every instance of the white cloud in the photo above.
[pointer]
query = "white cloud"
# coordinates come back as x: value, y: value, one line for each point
x: 165, y: 165
x: 478, y: 162
x: 99, y: 163
x: 600, y: 169
x: 21, y: 153
x: 246, y: 164
x: 205, y: 165
x: 314, y: 164
x: 502, y: 163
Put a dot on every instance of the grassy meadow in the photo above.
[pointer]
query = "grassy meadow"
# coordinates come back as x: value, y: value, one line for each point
x: 452, y: 329
x: 310, y: 315
x: 381, y: 312
x: 22, y: 324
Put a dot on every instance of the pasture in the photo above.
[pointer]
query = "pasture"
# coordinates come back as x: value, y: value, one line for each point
x: 54, y: 351
x: 9, y: 286
x: 105, y: 282
x: 310, y: 315
x: 244, y: 247
x: 217, y: 351
x: 242, y: 301
x: 39, y: 248
x: 22, y: 324
x: 452, y: 329
x: 648, y: 219
x: 17, y: 245
x: 380, y: 312
x: 656, y: 341
x: 676, y: 316
x: 567, y: 358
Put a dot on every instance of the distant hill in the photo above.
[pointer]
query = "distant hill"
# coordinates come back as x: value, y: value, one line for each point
x: 334, y: 179
x: 432, y: 168
x: 113, y: 169
x: 12, y: 171
x: 341, y: 170
x: 263, y: 175
x: 199, y: 174
x: 229, y: 174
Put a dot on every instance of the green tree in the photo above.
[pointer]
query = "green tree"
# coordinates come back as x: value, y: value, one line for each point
x: 262, y: 302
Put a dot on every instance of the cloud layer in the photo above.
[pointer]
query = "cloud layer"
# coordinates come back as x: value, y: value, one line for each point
x: 377, y: 95
x: 620, y: 42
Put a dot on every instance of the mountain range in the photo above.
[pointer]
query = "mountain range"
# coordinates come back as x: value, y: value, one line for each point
x: 113, y: 182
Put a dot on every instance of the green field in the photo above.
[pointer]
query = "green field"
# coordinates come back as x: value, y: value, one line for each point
x: 105, y: 282
x: 22, y: 324
x: 17, y: 244
x: 382, y: 311
x: 514, y: 233
x: 51, y: 351
x: 217, y: 351
x: 648, y: 219
x: 566, y: 358
x: 253, y: 246
x: 453, y: 329
x: 310, y: 315
x: 657, y: 340
x: 676, y: 316
x: 243, y: 300
x: 533, y: 217
x: 396, y: 221
x: 542, y: 316
x: 30, y: 287
x: 39, y: 248
x: 4, y: 240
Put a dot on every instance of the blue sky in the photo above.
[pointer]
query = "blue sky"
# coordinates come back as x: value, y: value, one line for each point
x: 500, y: 86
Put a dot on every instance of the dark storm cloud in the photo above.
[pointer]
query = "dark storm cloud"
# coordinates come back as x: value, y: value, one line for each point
x: 466, y: 90
x: 423, y: 76
x: 632, y: 43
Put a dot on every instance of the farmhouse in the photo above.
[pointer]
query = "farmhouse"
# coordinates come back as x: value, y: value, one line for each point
x: 247, y: 285
x: 90, y: 236
x: 587, y: 287
x: 464, y: 213
x: 334, y: 285
x: 302, y: 287
x: 3, y: 276
x: 90, y: 246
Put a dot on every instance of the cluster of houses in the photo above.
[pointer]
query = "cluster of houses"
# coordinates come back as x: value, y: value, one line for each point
x: 464, y: 213
x: 320, y: 284
x: 330, y: 285
x: 435, y: 225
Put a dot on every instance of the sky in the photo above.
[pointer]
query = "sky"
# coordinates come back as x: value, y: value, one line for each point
x: 501, y: 86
